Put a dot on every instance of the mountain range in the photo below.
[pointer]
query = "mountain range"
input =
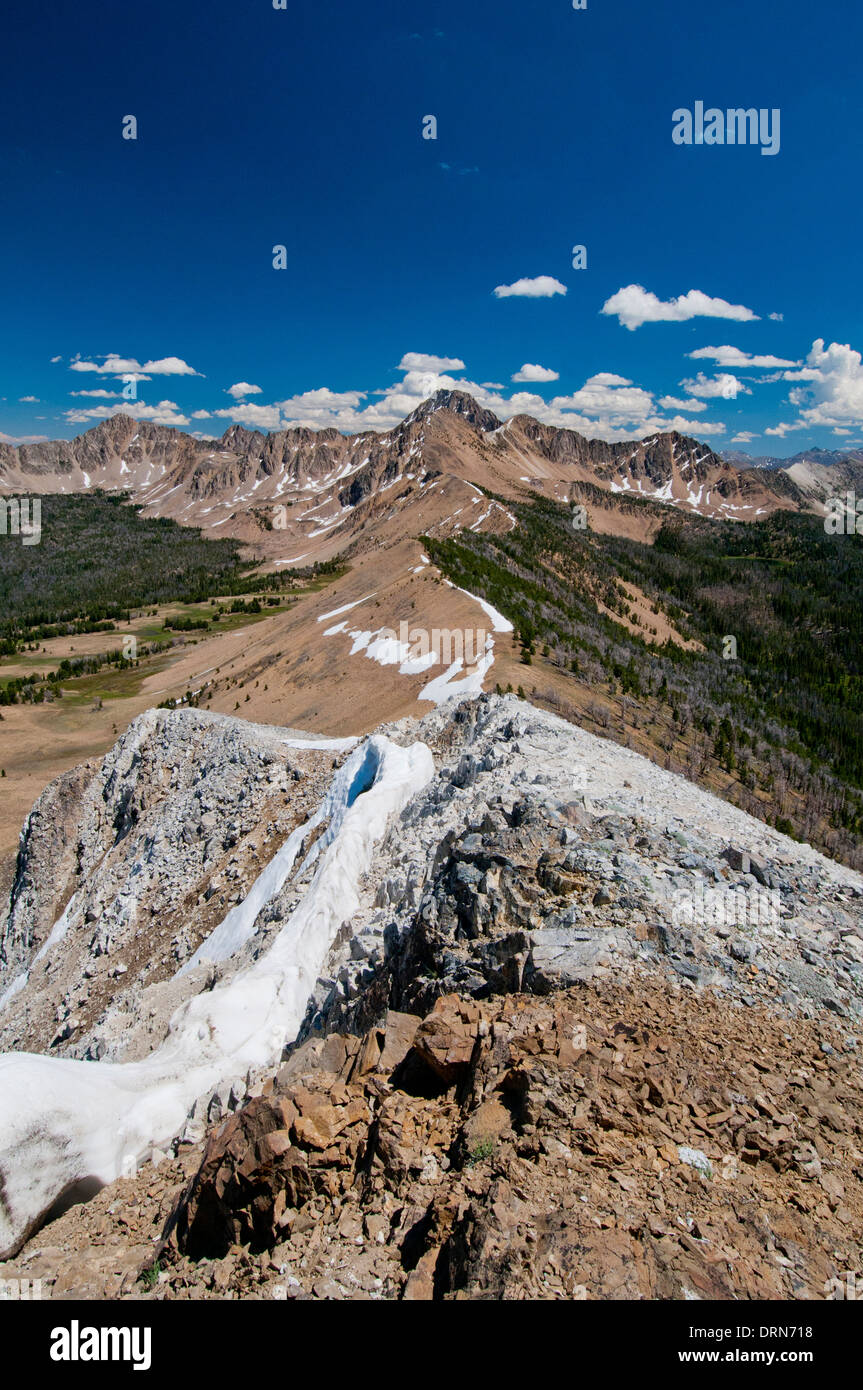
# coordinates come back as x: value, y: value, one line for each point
x: 825, y: 458
x: 300, y: 495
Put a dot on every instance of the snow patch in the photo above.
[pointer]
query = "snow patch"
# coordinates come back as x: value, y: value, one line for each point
x: 345, y: 609
x: 65, y: 1123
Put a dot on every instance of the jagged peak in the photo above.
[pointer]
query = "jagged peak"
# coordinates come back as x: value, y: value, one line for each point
x: 114, y: 424
x: 235, y: 434
x: 460, y: 403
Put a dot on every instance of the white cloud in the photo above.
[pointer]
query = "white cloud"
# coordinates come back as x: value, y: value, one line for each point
x: 531, y: 371
x: 56, y: 359
x: 243, y: 388
x: 114, y: 365
x: 777, y: 318
x: 724, y: 386
x: 22, y: 439
x: 169, y: 366
x: 543, y: 287
x: 323, y: 408
x: 201, y: 415
x: 832, y: 393
x: 111, y: 365
x: 674, y: 403
x: 425, y: 362
x: 744, y: 437
x: 608, y: 379
x: 101, y: 394
x: 634, y: 305
x: 165, y: 413
x: 615, y: 399
x: 29, y: 400
x: 258, y: 417
x: 699, y: 428
x: 611, y: 407
x: 728, y: 356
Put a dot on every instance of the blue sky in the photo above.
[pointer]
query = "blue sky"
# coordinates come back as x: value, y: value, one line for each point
x: 303, y: 127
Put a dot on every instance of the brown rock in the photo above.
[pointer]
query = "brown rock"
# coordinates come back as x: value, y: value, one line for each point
x: 445, y: 1040
x: 421, y: 1281
x: 317, y: 1129
x: 400, y: 1031
x: 487, y: 1124
x: 274, y: 1145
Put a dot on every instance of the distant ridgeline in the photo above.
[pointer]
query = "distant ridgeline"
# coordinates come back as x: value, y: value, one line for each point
x: 775, y: 702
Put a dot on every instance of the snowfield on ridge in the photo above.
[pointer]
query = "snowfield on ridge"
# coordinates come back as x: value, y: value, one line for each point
x: 444, y: 825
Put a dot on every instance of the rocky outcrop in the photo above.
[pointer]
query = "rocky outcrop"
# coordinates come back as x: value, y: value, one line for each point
x: 129, y: 864
x: 502, y: 931
x: 69, y: 1125
x: 594, y: 1145
x: 609, y: 1142
x: 542, y: 856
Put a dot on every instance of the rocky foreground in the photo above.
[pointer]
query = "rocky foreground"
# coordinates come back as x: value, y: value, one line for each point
x: 604, y: 1142
x: 586, y: 1031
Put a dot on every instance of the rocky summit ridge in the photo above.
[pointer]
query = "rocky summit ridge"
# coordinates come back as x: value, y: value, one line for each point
x: 569, y: 1025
